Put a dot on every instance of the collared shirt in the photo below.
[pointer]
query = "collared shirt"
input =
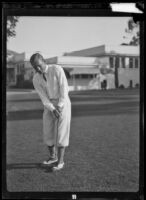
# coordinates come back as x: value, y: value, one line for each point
x: 47, y: 66
x: 56, y: 86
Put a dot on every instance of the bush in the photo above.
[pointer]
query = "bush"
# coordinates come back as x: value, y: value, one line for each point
x: 121, y: 86
x: 136, y: 85
x: 27, y: 84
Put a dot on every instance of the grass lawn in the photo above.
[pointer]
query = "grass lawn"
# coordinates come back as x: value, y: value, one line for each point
x: 103, y: 155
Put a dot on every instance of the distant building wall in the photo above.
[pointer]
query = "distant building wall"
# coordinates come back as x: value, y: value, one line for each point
x: 126, y: 75
x: 11, y: 74
x: 104, y: 61
x: 29, y: 71
x: 129, y: 73
x: 128, y: 70
x: 15, y: 67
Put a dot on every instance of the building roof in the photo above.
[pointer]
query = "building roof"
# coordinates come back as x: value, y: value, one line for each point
x: 107, y: 50
x: 76, y: 60
x: 123, y: 50
x: 85, y: 70
x: 52, y: 60
x: 14, y: 57
x: 10, y: 52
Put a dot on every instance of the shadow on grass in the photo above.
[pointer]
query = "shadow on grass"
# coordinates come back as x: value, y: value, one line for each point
x: 45, y: 168
x: 83, y: 110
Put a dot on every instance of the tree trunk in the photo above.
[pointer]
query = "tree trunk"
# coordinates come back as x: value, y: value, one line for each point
x: 116, y: 74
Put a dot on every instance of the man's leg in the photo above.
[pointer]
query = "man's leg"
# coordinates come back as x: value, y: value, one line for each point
x: 61, y: 151
x: 63, y: 126
x: 60, y: 163
x: 63, y: 132
x: 52, y: 151
x: 49, y: 136
x: 52, y: 157
x: 48, y: 128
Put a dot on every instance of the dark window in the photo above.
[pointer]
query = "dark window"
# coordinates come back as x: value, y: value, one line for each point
x: 130, y: 62
x: 18, y: 68
x: 136, y: 62
x: 123, y: 62
x: 117, y: 62
x: 131, y: 84
x: 85, y: 75
x: 76, y: 75
x: 111, y: 62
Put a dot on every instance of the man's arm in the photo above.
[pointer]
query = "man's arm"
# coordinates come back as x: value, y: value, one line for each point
x: 63, y: 84
x: 43, y: 96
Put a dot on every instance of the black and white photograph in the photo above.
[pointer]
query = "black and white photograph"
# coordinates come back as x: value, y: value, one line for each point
x: 72, y: 104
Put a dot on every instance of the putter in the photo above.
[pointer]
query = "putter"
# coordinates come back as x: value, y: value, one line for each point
x: 57, y: 122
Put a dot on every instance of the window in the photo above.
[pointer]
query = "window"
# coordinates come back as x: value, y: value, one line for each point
x: 117, y: 62
x: 85, y: 76
x: 11, y: 75
x: 136, y: 62
x: 123, y: 62
x: 77, y: 76
x: 130, y: 84
x: 127, y: 62
x: 18, y: 68
x: 111, y: 60
x: 130, y: 62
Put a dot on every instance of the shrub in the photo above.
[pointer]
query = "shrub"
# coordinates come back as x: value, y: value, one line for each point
x: 27, y: 84
x: 136, y: 85
x: 121, y: 86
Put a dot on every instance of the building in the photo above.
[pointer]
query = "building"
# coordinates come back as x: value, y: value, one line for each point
x: 15, y: 67
x: 71, y: 66
x: 117, y: 66
x: 116, y: 63
x: 81, y: 70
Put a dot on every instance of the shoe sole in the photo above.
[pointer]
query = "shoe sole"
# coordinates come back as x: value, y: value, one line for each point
x: 57, y: 169
x: 50, y: 162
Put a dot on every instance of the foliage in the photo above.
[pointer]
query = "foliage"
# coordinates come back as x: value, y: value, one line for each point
x: 11, y: 24
x: 121, y: 86
x: 133, y: 32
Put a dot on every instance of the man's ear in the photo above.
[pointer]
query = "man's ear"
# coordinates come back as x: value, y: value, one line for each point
x: 38, y: 70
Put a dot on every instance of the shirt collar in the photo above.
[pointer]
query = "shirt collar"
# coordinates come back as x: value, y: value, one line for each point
x: 46, y: 70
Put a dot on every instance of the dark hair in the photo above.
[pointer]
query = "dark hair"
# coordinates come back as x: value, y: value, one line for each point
x: 34, y: 58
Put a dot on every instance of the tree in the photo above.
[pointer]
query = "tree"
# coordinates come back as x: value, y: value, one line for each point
x: 11, y: 24
x: 133, y: 31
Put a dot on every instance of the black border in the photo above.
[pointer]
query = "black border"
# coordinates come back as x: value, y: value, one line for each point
x: 71, y: 9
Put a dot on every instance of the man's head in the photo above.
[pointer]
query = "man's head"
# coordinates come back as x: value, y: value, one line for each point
x: 38, y: 63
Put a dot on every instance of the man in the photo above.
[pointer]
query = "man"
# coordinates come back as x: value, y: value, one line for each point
x: 51, y: 85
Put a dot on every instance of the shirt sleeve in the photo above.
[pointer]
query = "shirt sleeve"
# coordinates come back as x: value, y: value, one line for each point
x: 63, y: 86
x: 43, y: 96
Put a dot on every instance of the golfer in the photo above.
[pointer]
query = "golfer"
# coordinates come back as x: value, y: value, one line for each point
x: 51, y: 85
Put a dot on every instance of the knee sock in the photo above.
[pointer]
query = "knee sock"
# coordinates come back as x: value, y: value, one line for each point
x: 61, y: 151
x: 52, y: 151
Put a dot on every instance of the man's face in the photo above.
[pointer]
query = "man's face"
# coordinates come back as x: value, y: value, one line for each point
x: 41, y: 65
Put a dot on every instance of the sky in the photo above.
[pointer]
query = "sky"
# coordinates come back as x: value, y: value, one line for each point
x: 52, y: 36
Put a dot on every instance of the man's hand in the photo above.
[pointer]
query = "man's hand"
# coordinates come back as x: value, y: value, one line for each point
x: 59, y: 109
x: 56, y: 113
